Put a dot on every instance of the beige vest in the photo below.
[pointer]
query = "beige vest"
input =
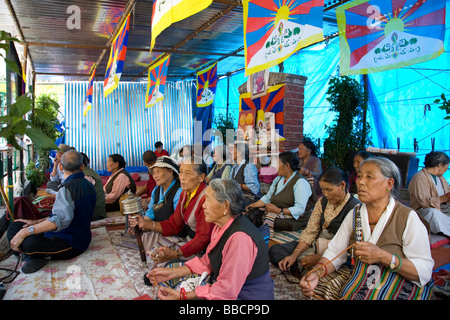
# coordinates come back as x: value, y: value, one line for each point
x: 391, y: 238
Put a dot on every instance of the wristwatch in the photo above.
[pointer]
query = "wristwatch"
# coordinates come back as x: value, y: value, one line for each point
x: 281, y: 212
x: 31, y: 229
x: 392, y: 264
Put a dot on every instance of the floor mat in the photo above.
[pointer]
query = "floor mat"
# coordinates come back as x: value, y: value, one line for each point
x: 285, y: 287
x: 97, y: 274
x: 131, y: 259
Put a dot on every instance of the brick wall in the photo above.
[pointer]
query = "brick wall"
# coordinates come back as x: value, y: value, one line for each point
x: 293, y: 107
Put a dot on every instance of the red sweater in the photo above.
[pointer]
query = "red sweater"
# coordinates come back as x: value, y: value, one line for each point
x: 163, y: 153
x: 175, y: 224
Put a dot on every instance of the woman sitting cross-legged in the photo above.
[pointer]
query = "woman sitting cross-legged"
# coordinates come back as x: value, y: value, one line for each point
x: 236, y: 259
x: 118, y: 183
x: 164, y: 198
x: 430, y: 193
x: 185, y: 233
x: 289, y: 197
x: 324, y: 222
x: 389, y: 241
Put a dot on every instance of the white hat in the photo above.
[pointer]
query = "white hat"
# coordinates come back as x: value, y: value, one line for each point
x: 166, y: 162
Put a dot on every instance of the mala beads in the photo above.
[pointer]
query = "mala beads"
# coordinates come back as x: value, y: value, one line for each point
x: 323, y: 267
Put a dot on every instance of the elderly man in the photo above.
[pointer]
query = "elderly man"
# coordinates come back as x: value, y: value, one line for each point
x: 57, y: 175
x: 66, y: 233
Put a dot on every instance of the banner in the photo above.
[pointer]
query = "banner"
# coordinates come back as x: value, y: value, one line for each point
x: 378, y: 35
x: 116, y: 58
x: 88, y: 101
x: 269, y: 110
x: 206, y: 86
x: 275, y: 29
x: 166, y: 12
x: 156, y: 82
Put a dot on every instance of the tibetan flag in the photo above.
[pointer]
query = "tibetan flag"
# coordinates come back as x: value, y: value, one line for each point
x: 206, y: 86
x: 116, y: 58
x: 269, y: 106
x: 166, y: 12
x: 156, y: 82
x: 378, y: 35
x: 88, y: 101
x: 275, y: 29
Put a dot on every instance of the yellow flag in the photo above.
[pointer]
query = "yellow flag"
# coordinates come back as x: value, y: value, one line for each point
x: 166, y: 12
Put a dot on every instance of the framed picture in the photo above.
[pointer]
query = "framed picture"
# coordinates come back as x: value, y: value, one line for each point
x: 247, y: 123
x: 258, y: 83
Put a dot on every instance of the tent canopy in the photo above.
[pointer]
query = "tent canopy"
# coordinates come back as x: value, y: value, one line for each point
x: 401, y: 101
x: 61, y: 49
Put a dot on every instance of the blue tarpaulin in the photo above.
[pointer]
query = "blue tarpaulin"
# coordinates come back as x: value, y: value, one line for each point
x: 401, y: 105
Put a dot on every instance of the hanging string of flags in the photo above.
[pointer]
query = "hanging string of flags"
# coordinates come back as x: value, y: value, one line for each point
x: 375, y: 35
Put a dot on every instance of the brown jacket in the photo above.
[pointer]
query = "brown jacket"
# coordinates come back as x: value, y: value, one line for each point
x: 423, y: 192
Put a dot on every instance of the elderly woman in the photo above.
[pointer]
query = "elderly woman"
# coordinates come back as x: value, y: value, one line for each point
x: 236, y: 258
x: 430, y: 192
x: 389, y: 242
x: 310, y: 165
x: 118, y: 183
x: 288, y: 197
x: 244, y: 172
x: 164, y: 198
x: 325, y: 220
x: 221, y: 168
x: 187, y: 226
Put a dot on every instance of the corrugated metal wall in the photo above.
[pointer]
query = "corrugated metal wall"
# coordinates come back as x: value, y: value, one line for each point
x: 121, y: 124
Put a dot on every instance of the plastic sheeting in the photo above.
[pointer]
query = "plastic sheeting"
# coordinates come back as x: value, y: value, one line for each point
x: 399, y: 99
x: 121, y: 124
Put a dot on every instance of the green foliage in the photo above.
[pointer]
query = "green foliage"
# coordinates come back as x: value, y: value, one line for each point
x: 45, y: 118
x: 14, y: 125
x: 5, y: 38
x: 34, y: 175
x: 348, y: 130
x: 445, y: 105
x: 17, y: 126
x: 224, y: 123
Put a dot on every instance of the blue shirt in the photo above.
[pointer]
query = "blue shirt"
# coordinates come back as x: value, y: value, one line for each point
x: 63, y: 209
x: 149, y: 213
x: 302, y: 192
x: 250, y: 176
x: 59, y: 176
